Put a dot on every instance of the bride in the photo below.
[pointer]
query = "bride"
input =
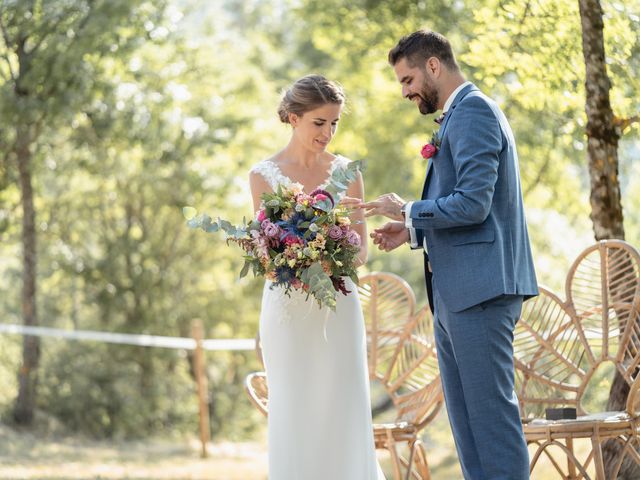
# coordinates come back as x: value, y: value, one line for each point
x: 319, y: 425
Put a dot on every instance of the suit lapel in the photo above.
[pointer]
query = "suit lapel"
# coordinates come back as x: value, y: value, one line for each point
x: 463, y: 93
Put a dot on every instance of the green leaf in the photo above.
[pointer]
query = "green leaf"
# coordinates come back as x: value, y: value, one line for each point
x: 245, y: 269
x: 320, y: 285
x: 211, y: 228
x: 323, y: 205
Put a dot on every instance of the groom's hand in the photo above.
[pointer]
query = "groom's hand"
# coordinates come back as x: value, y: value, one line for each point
x: 390, y: 236
x: 388, y: 205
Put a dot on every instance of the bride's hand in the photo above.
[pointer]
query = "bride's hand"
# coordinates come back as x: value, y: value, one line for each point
x: 350, y: 202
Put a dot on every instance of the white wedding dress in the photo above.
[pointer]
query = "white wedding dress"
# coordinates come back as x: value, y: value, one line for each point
x: 319, y: 424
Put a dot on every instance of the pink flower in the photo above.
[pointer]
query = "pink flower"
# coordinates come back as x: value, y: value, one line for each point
x: 353, y: 238
x: 262, y: 215
x: 428, y: 150
x: 302, y: 197
x: 270, y: 229
x: 320, y: 194
x: 335, y: 232
x: 292, y: 240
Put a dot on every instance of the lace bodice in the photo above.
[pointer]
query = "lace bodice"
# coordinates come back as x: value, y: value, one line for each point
x: 271, y: 172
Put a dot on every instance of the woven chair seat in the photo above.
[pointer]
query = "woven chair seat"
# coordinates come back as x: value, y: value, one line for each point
x: 560, y: 345
x: 599, y: 418
x: 603, y: 424
x: 387, y: 434
x: 400, y: 426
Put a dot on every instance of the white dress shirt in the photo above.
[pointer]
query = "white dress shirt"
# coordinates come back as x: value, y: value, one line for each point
x: 408, y: 221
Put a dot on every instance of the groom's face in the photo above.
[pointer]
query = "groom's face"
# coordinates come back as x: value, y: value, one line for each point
x: 417, y: 86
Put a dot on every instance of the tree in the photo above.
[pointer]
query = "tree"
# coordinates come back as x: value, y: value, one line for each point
x: 602, y: 133
x: 606, y: 206
x: 48, y: 52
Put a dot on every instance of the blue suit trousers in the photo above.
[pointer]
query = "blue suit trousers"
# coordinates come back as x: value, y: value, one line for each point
x: 475, y: 354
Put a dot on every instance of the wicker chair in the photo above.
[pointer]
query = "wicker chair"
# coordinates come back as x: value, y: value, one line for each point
x: 558, y: 348
x: 402, y: 361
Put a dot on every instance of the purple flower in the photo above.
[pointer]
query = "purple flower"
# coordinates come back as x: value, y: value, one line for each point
x: 270, y: 229
x: 353, y: 238
x: 335, y: 232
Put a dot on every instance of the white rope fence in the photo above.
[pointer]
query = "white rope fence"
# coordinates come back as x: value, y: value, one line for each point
x: 129, y: 338
x: 197, y: 343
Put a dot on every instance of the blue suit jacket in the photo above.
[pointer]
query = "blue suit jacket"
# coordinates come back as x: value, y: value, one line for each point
x: 471, y: 213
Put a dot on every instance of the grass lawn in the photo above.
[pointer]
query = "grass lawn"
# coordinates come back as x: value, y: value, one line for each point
x: 25, y: 455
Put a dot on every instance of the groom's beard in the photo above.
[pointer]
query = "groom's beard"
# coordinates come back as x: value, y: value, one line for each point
x: 428, y: 99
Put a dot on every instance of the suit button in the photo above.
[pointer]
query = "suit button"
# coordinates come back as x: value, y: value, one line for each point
x: 429, y: 214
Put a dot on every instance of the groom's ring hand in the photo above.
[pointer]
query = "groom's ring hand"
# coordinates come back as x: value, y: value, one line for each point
x: 381, y: 208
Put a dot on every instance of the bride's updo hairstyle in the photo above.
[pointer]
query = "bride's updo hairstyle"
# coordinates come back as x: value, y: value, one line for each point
x: 309, y: 93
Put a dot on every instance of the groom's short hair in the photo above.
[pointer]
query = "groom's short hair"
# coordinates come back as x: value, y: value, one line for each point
x: 422, y: 45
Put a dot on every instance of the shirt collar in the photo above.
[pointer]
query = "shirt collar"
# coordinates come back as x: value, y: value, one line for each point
x: 452, y: 97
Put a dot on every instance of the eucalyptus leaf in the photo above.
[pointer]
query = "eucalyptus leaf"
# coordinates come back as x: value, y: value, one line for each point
x: 211, y: 228
x: 320, y: 285
x: 245, y: 269
x: 323, y: 205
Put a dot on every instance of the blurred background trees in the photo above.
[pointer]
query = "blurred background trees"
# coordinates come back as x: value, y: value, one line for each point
x: 134, y: 109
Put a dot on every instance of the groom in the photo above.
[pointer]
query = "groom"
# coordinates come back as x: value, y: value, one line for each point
x: 470, y: 223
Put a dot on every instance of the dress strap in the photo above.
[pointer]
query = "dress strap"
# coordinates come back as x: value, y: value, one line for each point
x: 339, y: 162
x: 271, y: 173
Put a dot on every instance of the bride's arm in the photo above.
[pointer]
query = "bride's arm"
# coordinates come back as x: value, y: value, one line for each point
x: 356, y: 190
x: 258, y: 186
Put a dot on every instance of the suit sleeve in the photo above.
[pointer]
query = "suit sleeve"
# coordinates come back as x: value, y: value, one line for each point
x: 475, y: 142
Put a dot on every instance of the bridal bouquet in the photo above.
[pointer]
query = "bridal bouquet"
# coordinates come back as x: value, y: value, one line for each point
x: 298, y: 241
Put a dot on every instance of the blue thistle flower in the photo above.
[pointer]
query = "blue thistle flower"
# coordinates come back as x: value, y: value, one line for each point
x: 284, y: 276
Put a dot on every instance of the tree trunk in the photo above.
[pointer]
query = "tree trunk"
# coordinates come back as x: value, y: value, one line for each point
x: 606, y: 205
x: 27, y: 376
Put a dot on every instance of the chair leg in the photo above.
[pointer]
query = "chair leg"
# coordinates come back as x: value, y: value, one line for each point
x: 393, y: 450
x: 422, y: 466
x: 597, y: 457
x: 571, y: 468
x: 412, y: 450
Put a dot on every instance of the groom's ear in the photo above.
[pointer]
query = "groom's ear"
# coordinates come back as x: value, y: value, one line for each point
x: 432, y: 65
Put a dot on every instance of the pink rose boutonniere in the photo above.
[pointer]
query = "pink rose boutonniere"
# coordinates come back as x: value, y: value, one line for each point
x: 430, y: 149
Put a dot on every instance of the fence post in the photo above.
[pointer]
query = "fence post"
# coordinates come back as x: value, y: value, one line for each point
x: 201, y: 380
